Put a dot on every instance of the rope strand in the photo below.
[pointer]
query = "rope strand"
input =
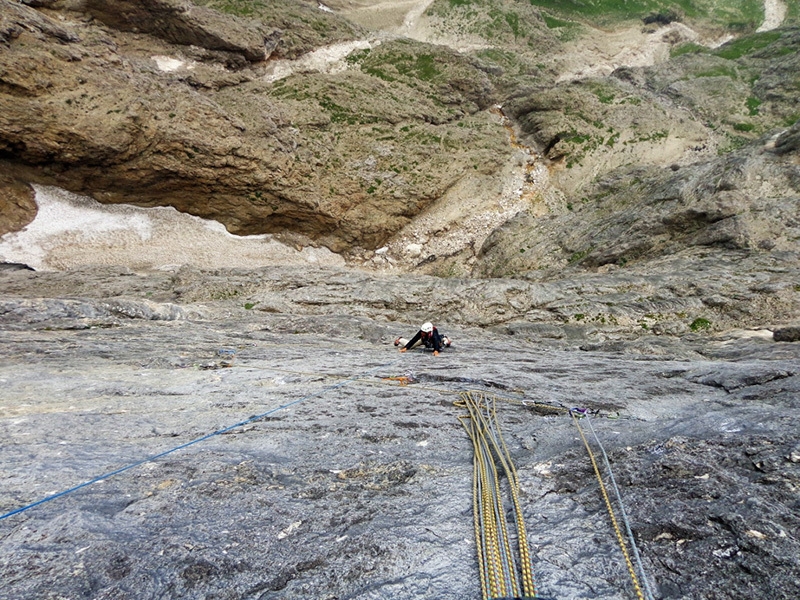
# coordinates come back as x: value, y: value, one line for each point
x: 648, y: 592
x: 203, y: 438
x: 610, y: 509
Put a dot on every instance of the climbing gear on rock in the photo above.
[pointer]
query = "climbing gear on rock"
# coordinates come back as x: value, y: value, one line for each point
x: 401, y: 379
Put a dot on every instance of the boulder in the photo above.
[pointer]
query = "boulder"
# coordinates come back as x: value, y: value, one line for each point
x: 789, y: 141
x: 787, y: 334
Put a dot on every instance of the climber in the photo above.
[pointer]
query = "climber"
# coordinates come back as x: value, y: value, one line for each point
x: 428, y: 336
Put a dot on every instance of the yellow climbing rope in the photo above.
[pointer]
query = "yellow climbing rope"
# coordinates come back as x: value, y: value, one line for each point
x: 503, y: 574
x: 617, y: 530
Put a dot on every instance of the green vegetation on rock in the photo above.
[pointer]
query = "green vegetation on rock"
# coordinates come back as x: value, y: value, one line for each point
x: 747, y: 45
x: 747, y: 86
x: 687, y: 48
x: 737, y: 15
x: 499, y: 22
x: 700, y: 324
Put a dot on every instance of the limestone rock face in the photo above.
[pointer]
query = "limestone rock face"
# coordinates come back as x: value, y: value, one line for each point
x: 744, y: 88
x: 178, y: 114
x: 678, y: 111
x: 788, y: 142
x: 746, y: 200
x: 285, y: 118
x: 289, y: 462
x: 589, y: 127
x: 180, y: 23
x: 17, y: 204
x: 727, y: 197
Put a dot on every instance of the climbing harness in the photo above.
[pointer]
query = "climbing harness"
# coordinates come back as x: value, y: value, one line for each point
x: 502, y: 575
x: 576, y: 414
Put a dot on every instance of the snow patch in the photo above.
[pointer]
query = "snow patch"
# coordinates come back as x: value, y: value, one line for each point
x: 329, y: 59
x: 71, y: 230
x: 169, y: 64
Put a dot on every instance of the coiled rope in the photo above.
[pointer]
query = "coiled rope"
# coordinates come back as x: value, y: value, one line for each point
x: 501, y: 574
x: 203, y: 438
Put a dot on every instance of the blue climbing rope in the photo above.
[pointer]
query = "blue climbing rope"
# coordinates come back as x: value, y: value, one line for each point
x: 192, y: 442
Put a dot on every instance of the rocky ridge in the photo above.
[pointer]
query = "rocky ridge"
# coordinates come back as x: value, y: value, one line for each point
x: 195, y: 111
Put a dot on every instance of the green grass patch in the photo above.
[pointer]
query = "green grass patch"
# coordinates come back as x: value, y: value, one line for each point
x: 792, y: 13
x: 578, y: 256
x: 501, y: 21
x: 423, y: 137
x: 509, y: 61
x: 392, y: 64
x: 358, y: 56
x: 744, y: 126
x: 687, y: 48
x: 338, y: 114
x: 651, y: 137
x: 513, y: 22
x: 621, y: 9
x: 734, y: 142
x: 604, y: 93
x: 554, y: 23
x: 747, y: 45
x: 718, y: 71
x: 720, y: 12
x: 737, y: 15
x: 423, y: 67
x: 578, y: 138
x: 241, y: 8
x: 752, y: 104
x: 604, y: 97
x: 700, y: 324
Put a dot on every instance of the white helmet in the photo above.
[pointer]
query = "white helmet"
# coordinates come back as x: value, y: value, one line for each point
x: 427, y: 327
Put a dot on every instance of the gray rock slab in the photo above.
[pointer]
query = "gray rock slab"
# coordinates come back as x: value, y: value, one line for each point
x: 360, y: 487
